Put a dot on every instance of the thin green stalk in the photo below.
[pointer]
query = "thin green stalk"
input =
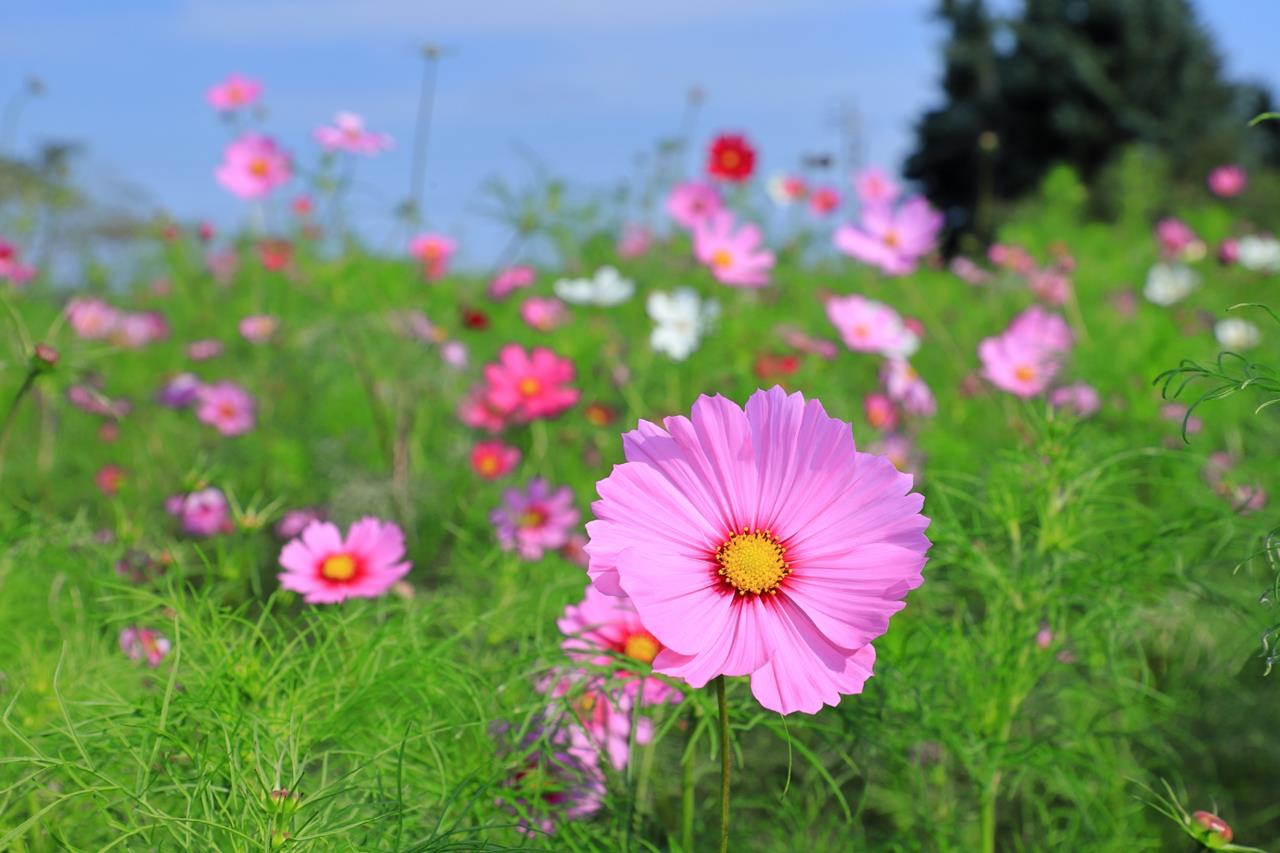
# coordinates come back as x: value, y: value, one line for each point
x: 687, y: 786
x: 10, y: 416
x: 725, y: 764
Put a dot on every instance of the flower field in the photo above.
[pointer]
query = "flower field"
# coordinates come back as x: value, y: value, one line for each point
x: 306, y: 546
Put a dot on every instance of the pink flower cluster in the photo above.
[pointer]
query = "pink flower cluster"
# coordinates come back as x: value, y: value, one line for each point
x: 94, y: 319
x: 894, y: 239
x: 11, y: 267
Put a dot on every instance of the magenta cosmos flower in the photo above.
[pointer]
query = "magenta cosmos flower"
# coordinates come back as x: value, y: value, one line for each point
x: 11, y: 267
x: 536, y: 520
x: 869, y: 326
x: 761, y: 543
x: 202, y: 513
x: 348, y: 133
x: 530, y: 385
x: 733, y: 253
x: 1228, y: 181
x: 253, y: 166
x: 606, y: 631
x: 144, y: 644
x: 226, y: 407
x: 692, y: 202
x: 893, y: 240
x: 233, y: 93
x: 326, y: 569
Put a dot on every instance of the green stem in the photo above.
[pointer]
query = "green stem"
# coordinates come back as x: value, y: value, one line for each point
x: 10, y: 416
x: 688, y: 788
x: 725, y: 764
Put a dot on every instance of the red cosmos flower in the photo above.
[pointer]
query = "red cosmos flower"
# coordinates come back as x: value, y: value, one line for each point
x: 769, y: 366
x: 109, y: 478
x: 731, y: 158
x: 275, y: 254
x: 493, y: 459
x: 475, y: 319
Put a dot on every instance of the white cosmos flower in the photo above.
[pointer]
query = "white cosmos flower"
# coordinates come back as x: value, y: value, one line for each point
x: 607, y: 287
x: 682, y: 319
x: 1169, y: 283
x: 1237, y: 334
x: 1259, y: 253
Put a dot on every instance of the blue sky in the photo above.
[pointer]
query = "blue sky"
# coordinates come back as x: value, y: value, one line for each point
x: 585, y: 85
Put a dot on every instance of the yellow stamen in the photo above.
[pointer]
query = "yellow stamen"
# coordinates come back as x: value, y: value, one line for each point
x: 721, y: 258
x: 1024, y: 373
x: 642, y: 647
x: 339, y: 567
x: 753, y: 561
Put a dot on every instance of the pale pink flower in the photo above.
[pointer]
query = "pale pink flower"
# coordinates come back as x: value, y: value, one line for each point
x: 455, y: 354
x: 225, y: 406
x: 1174, y: 235
x: 234, y: 93
x: 906, y: 387
x: 91, y: 318
x: 599, y: 718
x: 692, y: 202
x: 204, y: 349
x: 434, y: 252
x: 634, y: 242
x: 294, y: 521
x: 806, y: 343
x: 535, y: 520
x: 478, y: 412
x: 509, y: 280
x: 325, y: 568
x: 348, y: 133
x: 1228, y: 181
x: 734, y: 254
x: 869, y: 326
x: 202, y: 513
x: 1018, y: 364
x: 1079, y: 398
x: 875, y: 186
x: 253, y: 166
x: 529, y: 385
x: 786, y: 190
x: 892, y: 239
x: 760, y: 543
x: 134, y: 330
x: 258, y: 328
x: 1051, y: 286
x: 823, y: 201
x: 1044, y: 329
x: 11, y: 268
x: 880, y: 412
x: 144, y: 644
x: 543, y: 313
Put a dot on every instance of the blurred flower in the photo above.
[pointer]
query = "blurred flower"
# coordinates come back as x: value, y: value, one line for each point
x: 233, y: 93
x: 875, y: 186
x: 906, y: 387
x: 1228, y: 181
x: 606, y: 288
x: 11, y: 268
x: 1177, y: 413
x: 134, y: 330
x: 302, y: 206
x: 347, y: 133
x: 598, y: 414
x: 543, y: 313
x: 869, y: 326
x: 813, y: 557
x: 91, y: 400
x: 599, y: 719
x: 275, y: 254
x: 735, y: 255
x: 1080, y: 398
x: 530, y: 385
x: 892, y: 239
x: 138, y: 566
x: 786, y: 190
x: 731, y: 158
x: 806, y: 343
x: 966, y: 270
x: 258, y: 328
x: 325, y: 568
x: 1028, y: 355
x: 1050, y: 285
x: 880, y: 412
x: 692, y: 202
x: 1169, y: 283
x: 823, y: 201
x: 108, y: 479
x: 681, y: 319
x: 1175, y: 236
x: 222, y: 265
x: 203, y: 350
x: 144, y: 644
x: 253, y: 166
x: 552, y: 783
x: 473, y: 318
x: 202, y: 513
x: 1237, y: 334
x: 294, y: 521
x: 91, y: 318
x: 634, y: 242
x: 770, y: 367
x: 493, y: 459
x: 899, y: 450
x: 478, y: 412
x: 509, y: 280
x: 1259, y: 253
x: 535, y: 520
x: 1228, y: 252
x: 433, y: 251
x: 605, y: 631
x: 225, y: 406
x: 454, y: 354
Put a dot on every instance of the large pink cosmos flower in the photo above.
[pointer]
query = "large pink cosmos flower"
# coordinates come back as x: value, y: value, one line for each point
x: 692, y: 202
x: 226, y: 407
x: 1027, y: 356
x: 733, y: 253
x: 536, y: 520
x: 327, y: 569
x: 602, y: 629
x: 761, y: 543
x: 875, y: 186
x: 433, y: 251
x: 233, y: 93
x: 253, y: 166
x: 528, y: 386
x: 893, y: 240
x: 348, y: 133
x: 869, y: 326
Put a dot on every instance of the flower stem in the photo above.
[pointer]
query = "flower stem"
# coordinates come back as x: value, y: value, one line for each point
x: 725, y: 764
x: 687, y: 786
x: 11, y: 415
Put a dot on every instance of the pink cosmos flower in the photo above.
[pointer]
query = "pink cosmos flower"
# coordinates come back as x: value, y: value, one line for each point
x: 253, y: 166
x: 1174, y: 235
x: 179, y: 391
x: 1079, y: 398
x: 634, y: 242
x: 11, y: 268
x: 204, y: 349
x: 875, y: 186
x: 760, y: 543
x: 602, y: 629
x: 869, y: 326
x: 1052, y: 286
x: 509, y: 280
x: 1229, y: 251
x: 134, y: 330
x: 823, y: 201
x: 477, y: 412
x: 1228, y: 181
x: 880, y: 412
x: 202, y: 513
x: 144, y: 644
x: 536, y: 520
x: 905, y: 387
x: 733, y: 253
x: 530, y: 385
x: 968, y: 271
x: 551, y: 783
x: 806, y: 343
x: 91, y: 318
x: 493, y: 459
x: 893, y: 240
x: 347, y: 133
x: 1019, y: 362
x: 1177, y: 413
x: 258, y: 328
x: 455, y: 354
x: 899, y: 450
x: 325, y: 568
x: 434, y: 252
x: 223, y: 265
x: 543, y: 313
x: 1044, y: 328
x: 599, y: 719
x: 692, y: 202
x: 293, y: 522
x: 233, y: 93
x: 225, y: 406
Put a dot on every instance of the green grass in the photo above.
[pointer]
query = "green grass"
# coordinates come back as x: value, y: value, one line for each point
x: 382, y: 715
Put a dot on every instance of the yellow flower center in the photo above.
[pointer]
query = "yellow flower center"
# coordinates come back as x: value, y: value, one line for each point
x: 339, y: 567
x: 488, y: 464
x: 891, y: 239
x: 529, y: 386
x: 721, y: 258
x: 753, y: 561
x: 642, y: 647
x: 729, y: 159
x: 258, y: 167
x: 534, y: 517
x: 1024, y: 373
